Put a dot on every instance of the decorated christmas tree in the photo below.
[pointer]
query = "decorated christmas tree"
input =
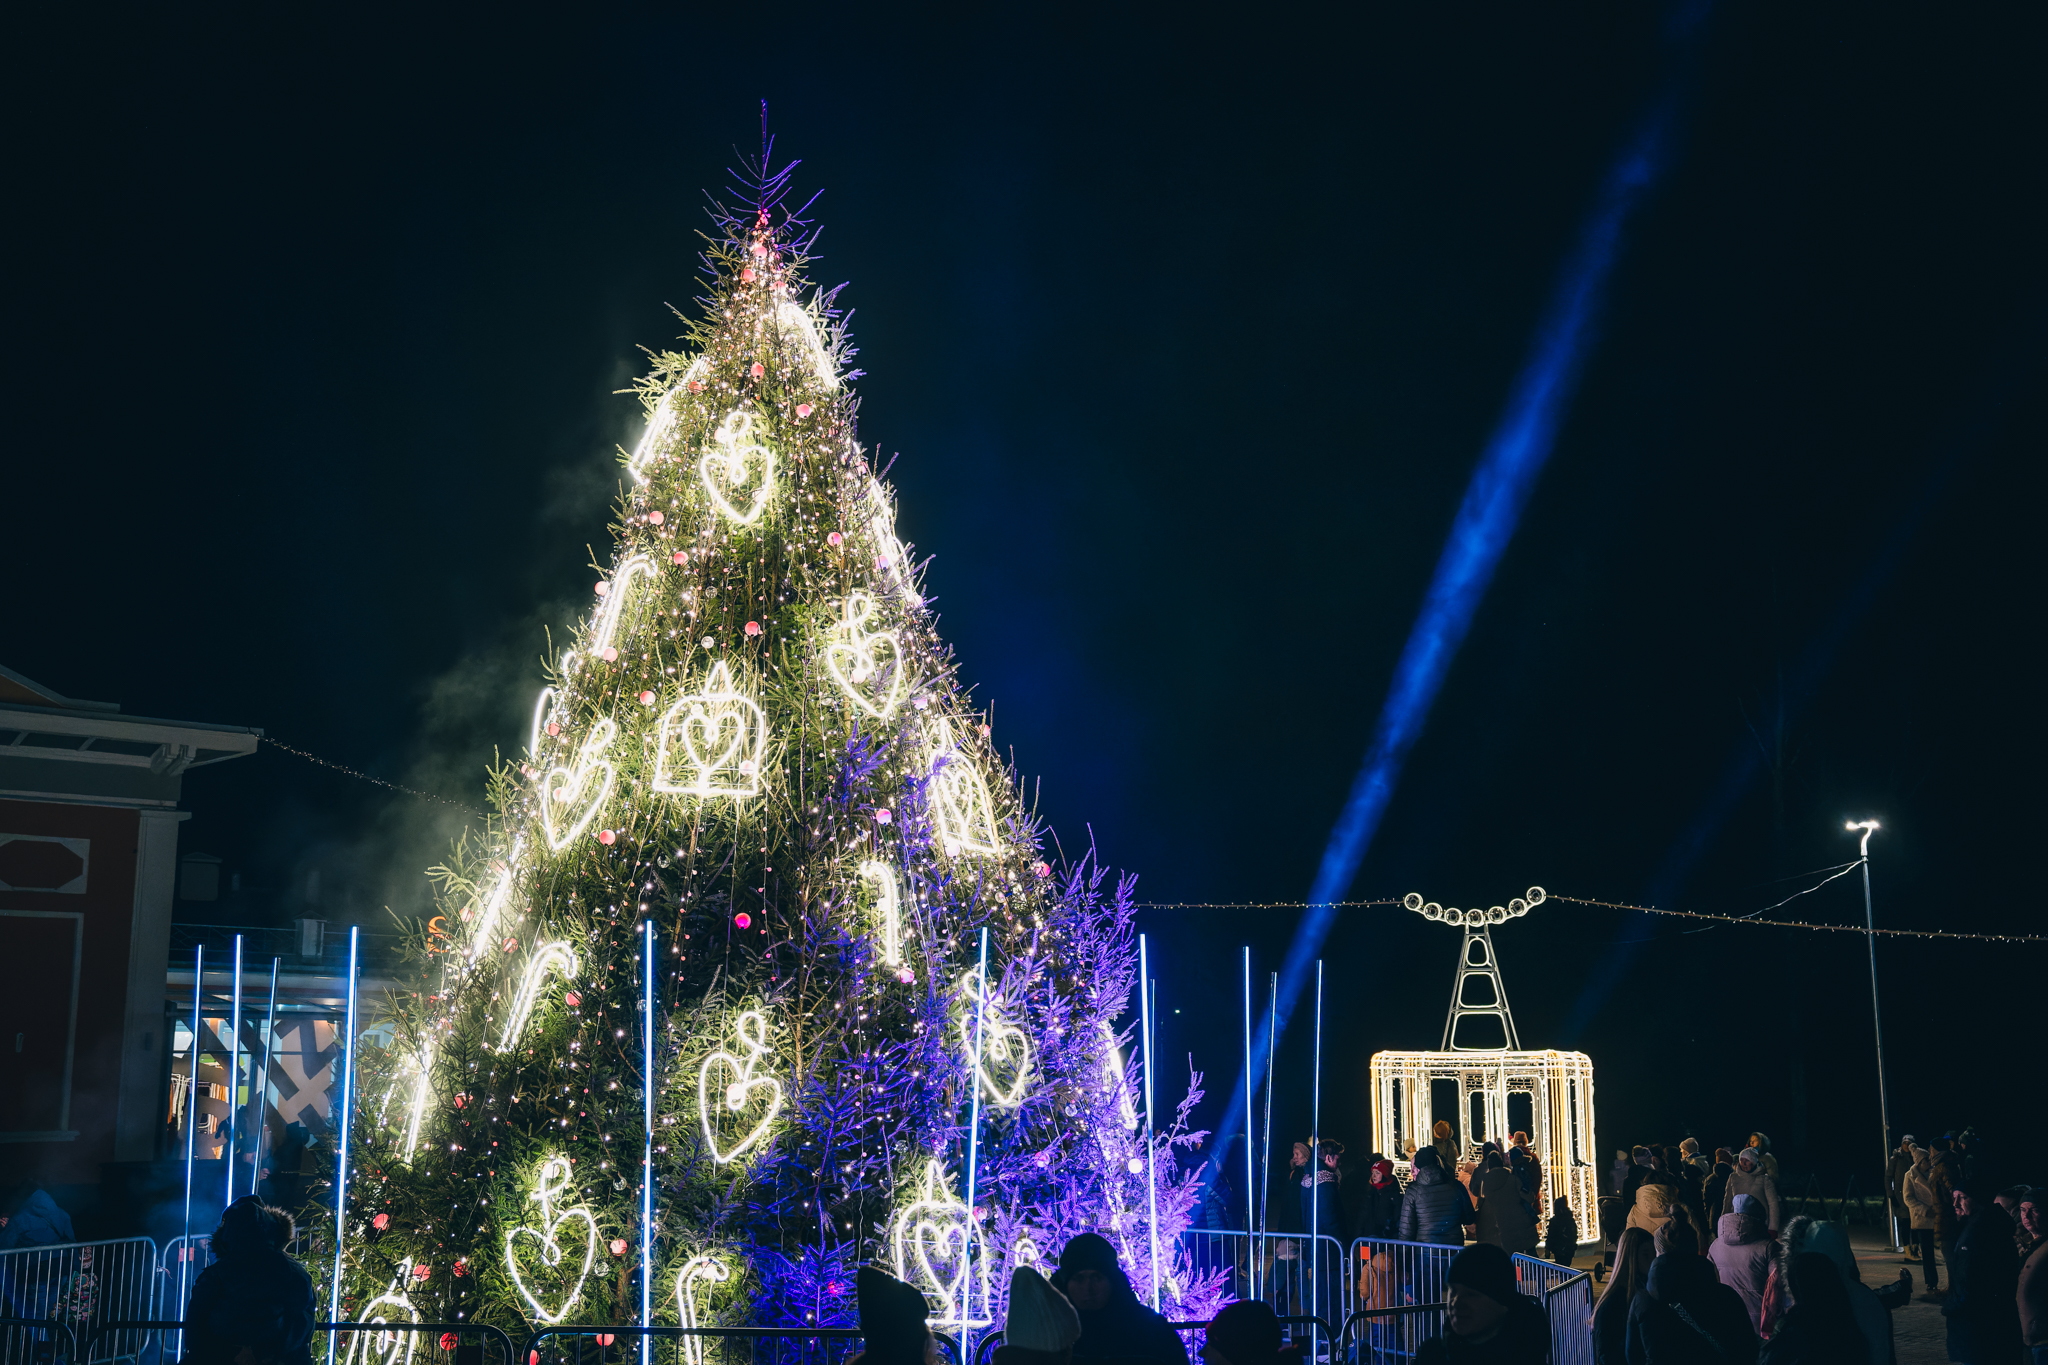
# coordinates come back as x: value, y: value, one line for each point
x: 757, y: 744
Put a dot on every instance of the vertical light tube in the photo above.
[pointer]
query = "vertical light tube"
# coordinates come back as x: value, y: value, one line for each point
x: 1251, y: 1225
x: 973, y: 1146
x: 348, y: 1088
x: 191, y: 1127
x: 1266, y: 1156
x: 263, y: 1108
x: 647, y: 1149
x: 234, y: 1069
x: 1315, y: 1161
x: 1151, y: 1176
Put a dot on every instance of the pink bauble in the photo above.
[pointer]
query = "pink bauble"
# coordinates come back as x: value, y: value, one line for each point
x: 1042, y: 869
x: 757, y: 369
x: 554, y: 728
x: 760, y: 248
x: 905, y: 975
x: 743, y: 919
x: 753, y: 627
x: 883, y: 817
x: 747, y: 274
x: 609, y: 654
x: 695, y: 386
x: 647, y: 699
x: 510, y: 945
x: 834, y: 538
x: 607, y: 837
x: 984, y: 732
x: 572, y: 1000
x: 618, y: 1246
x: 657, y: 516
x: 381, y: 1221
x: 420, y: 1272
x: 681, y: 556
x: 603, y: 588
x: 803, y: 409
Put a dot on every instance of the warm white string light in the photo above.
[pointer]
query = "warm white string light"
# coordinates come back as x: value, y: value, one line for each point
x: 563, y: 786
x: 858, y: 659
x: 1003, y: 1045
x: 699, y: 1269
x: 962, y: 813
x: 558, y: 958
x: 734, y: 1095
x: 938, y: 1224
x: 711, y: 741
x: 738, y: 469
x: 554, y: 1180
x: 888, y: 909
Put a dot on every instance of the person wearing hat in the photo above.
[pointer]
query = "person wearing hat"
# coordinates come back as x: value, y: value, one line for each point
x: 892, y: 1322
x: 1042, y: 1326
x: 1895, y: 1168
x: 1685, y: 1313
x: 1245, y: 1333
x: 1741, y: 1253
x: 1113, y: 1322
x: 1752, y: 1178
x: 1487, y: 1320
x: 254, y: 1303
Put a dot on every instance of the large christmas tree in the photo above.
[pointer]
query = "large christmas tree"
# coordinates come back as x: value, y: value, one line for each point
x: 758, y: 743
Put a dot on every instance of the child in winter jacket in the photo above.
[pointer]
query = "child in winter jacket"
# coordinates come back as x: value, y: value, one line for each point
x: 1561, y: 1234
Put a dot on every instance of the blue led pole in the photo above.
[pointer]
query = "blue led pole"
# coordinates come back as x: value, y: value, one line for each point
x: 191, y: 1127
x: 263, y: 1109
x: 1251, y: 1224
x: 1151, y: 1179
x: 1266, y: 1152
x: 1315, y: 1159
x: 234, y: 1068
x: 647, y: 1147
x: 348, y: 1090
x: 973, y: 1145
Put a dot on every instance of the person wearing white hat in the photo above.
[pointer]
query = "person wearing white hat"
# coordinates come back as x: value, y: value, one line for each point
x: 1042, y: 1326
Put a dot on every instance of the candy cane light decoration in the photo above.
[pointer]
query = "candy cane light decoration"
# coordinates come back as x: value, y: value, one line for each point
x: 382, y: 1347
x: 888, y: 909
x: 556, y: 957
x: 613, y: 594
x: 701, y: 1269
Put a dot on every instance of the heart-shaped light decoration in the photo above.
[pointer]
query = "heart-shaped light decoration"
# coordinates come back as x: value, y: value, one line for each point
x: 547, y: 1244
x: 737, y: 469
x: 711, y: 741
x: 938, y: 1247
x: 1004, y: 1066
x: 963, y: 816
x: 571, y: 797
x: 737, y: 1089
x: 867, y: 664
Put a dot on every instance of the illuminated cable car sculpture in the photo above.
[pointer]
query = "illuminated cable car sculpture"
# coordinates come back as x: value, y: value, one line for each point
x: 1499, y: 1087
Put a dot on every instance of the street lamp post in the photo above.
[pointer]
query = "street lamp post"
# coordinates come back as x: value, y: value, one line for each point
x: 1884, y: 1117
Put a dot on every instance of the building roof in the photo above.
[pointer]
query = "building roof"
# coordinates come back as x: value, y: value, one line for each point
x: 55, y: 747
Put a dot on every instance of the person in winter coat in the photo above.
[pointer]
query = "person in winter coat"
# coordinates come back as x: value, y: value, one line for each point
x: 1446, y: 1147
x: 1819, y: 1328
x: 29, y: 1217
x: 1505, y: 1217
x: 1634, y: 1253
x: 1654, y: 1203
x: 1244, y: 1333
x: 1641, y: 1168
x: 1685, y: 1316
x: 1561, y: 1234
x: 1321, y: 1210
x: 1618, y: 1172
x: 1982, y: 1306
x: 254, y: 1304
x: 1924, y: 1212
x: 1042, y: 1326
x: 1741, y: 1254
x: 1751, y: 1177
x: 2032, y: 1295
x: 1437, y: 1207
x: 1379, y: 1203
x: 1895, y: 1170
x: 1873, y: 1318
x: 1714, y: 1189
x: 1689, y: 1157
x: 1761, y: 1145
x: 1113, y: 1322
x: 1487, y: 1320
x: 892, y: 1321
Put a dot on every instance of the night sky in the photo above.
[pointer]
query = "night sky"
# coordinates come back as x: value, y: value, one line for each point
x: 1189, y: 331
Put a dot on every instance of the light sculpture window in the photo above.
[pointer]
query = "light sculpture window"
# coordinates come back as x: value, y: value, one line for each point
x: 711, y: 741
x: 963, y: 816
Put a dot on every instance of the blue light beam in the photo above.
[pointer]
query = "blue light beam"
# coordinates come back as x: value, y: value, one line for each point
x: 1486, y: 521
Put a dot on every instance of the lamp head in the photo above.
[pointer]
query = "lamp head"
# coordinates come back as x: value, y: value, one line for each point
x: 1868, y: 827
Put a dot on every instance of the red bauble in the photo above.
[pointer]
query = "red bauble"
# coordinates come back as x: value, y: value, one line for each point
x: 1042, y: 869
x: 572, y: 1000
x: 618, y: 1246
x: 449, y: 1341
x: 554, y: 728
x: 803, y: 409
x: 681, y: 556
x: 743, y: 919
x: 510, y: 945
x: 984, y: 732
x: 747, y: 274
x: 757, y: 369
x: 753, y: 628
x: 462, y: 1267
x: 603, y: 588
x: 760, y: 248
x: 381, y: 1221
x: 647, y: 699
x: 607, y: 837
x: 609, y: 654
x: 420, y: 1272
x: 883, y: 817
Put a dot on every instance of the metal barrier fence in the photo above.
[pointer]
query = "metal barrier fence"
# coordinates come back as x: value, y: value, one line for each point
x: 358, y: 1343
x: 1390, y: 1274
x: 985, y: 1348
x: 1567, y: 1297
x: 77, y: 1286
x: 34, y: 1339
x: 1282, y: 1262
x: 1389, y: 1335
x: 573, y: 1345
